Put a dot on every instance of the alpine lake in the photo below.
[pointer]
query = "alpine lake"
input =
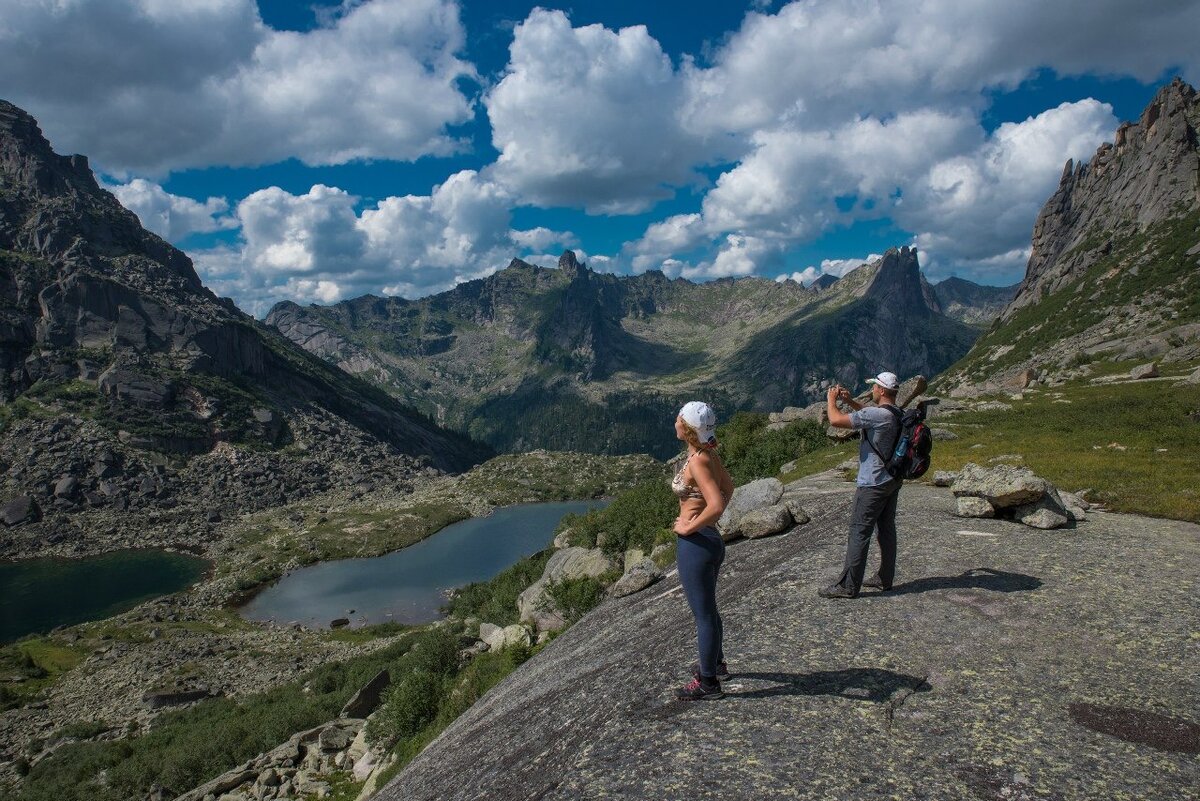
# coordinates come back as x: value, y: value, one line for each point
x: 410, y: 585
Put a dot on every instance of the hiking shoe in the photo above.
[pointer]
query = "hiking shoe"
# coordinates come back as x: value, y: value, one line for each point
x: 875, y: 583
x: 698, y: 690
x: 722, y: 671
x: 836, y: 591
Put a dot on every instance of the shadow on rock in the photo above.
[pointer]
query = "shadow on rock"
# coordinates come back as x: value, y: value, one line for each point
x: 980, y: 578
x: 874, y: 685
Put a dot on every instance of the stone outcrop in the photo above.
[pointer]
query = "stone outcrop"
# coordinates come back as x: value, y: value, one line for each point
x: 1014, y: 493
x: 296, y: 769
x: 907, y: 683
x: 536, y: 606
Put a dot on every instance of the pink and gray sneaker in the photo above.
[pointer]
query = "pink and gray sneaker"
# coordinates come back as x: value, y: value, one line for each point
x: 699, y: 690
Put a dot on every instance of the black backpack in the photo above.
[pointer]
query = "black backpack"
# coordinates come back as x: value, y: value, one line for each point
x: 910, y: 455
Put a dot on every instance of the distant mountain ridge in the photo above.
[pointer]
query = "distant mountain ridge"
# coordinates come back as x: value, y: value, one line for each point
x: 1113, y: 273
x: 115, y: 357
x: 571, y: 358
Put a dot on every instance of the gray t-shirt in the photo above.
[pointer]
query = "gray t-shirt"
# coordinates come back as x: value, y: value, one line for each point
x: 881, y: 426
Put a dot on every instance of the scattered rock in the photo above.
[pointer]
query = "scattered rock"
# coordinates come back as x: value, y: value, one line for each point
x: 1148, y: 370
x: 943, y: 478
x: 794, y: 507
x: 942, y: 434
x: 970, y: 506
x: 66, y: 487
x: 1046, y: 512
x: 339, y: 622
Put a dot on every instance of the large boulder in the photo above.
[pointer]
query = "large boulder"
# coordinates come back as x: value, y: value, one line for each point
x: 498, y: 638
x: 638, y: 576
x: 755, y: 495
x: 763, y: 522
x: 367, y: 698
x: 569, y: 563
x: 1046, y: 512
x: 22, y: 509
x: 1149, y: 370
x: 970, y: 506
x: 1002, y: 486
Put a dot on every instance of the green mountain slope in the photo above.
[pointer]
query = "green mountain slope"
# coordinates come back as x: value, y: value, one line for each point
x: 569, y: 358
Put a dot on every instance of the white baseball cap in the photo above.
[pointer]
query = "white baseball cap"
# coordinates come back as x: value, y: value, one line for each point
x: 886, y: 380
x: 700, y: 416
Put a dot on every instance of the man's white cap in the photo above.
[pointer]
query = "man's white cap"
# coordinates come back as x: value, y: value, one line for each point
x: 886, y: 380
x: 700, y: 416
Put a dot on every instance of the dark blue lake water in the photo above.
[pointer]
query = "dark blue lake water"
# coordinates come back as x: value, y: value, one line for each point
x: 409, y: 585
x: 39, y: 594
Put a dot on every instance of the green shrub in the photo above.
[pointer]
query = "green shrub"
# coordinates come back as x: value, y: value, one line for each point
x: 408, y: 706
x: 750, y: 451
x: 414, y: 698
x: 633, y: 520
x: 495, y: 600
x: 575, y: 597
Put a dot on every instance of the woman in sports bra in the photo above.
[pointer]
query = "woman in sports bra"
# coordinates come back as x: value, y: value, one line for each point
x: 703, y: 487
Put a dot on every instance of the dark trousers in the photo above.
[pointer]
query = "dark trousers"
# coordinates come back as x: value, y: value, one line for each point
x: 699, y: 557
x: 874, y: 510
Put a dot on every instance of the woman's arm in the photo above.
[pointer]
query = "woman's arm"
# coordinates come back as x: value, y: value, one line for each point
x: 701, y: 468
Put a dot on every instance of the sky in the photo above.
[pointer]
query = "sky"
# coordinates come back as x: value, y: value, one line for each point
x: 320, y: 151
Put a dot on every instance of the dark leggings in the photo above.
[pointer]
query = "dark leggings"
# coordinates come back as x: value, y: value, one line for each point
x: 699, y: 557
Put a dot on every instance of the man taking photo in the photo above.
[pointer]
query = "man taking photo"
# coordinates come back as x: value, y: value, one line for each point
x: 878, y: 491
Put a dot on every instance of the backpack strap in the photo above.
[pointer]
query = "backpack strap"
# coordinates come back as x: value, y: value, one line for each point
x: 899, y: 433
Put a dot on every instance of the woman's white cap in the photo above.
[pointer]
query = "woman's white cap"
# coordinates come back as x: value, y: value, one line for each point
x: 700, y: 416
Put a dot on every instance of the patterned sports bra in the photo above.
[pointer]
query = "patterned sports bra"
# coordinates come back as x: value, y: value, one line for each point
x: 683, y: 490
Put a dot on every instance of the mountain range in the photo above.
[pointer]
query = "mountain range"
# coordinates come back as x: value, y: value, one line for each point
x: 569, y: 358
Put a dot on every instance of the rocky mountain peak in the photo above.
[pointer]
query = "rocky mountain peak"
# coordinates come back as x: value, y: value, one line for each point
x: 1148, y: 173
x: 895, y: 282
x: 51, y: 206
x: 28, y: 162
x: 570, y: 265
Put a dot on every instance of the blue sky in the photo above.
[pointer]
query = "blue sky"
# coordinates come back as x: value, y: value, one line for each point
x: 316, y: 152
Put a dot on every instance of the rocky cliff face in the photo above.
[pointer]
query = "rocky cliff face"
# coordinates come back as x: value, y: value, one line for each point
x: 1113, y: 270
x: 111, y: 351
x: 571, y: 358
x: 1149, y: 173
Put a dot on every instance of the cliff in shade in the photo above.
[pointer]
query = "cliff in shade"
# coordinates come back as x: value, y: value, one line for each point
x: 573, y: 359
x: 1114, y: 272
x: 115, y: 360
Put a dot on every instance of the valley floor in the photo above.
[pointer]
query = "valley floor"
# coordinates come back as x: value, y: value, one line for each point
x: 1008, y: 663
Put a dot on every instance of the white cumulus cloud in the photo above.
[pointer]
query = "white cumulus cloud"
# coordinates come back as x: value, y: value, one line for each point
x: 145, y: 86
x: 173, y: 217
x: 589, y: 117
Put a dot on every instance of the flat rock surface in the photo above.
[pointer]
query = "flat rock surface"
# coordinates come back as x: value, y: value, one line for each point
x: 1007, y: 663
